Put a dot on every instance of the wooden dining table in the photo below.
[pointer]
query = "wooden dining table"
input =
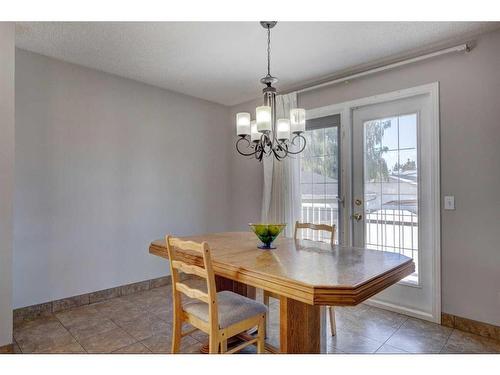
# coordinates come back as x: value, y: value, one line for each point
x: 306, y: 275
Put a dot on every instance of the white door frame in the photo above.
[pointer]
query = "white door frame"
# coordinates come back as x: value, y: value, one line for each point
x: 345, y: 110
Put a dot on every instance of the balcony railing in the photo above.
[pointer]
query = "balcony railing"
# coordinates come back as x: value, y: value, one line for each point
x: 385, y: 230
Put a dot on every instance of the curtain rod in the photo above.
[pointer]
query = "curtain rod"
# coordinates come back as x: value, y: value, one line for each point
x: 458, y: 48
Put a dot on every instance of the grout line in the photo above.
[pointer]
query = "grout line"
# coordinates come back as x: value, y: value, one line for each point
x: 137, y: 342
x: 14, y: 341
x: 447, y: 339
x: 397, y: 329
x: 66, y: 328
x: 392, y: 334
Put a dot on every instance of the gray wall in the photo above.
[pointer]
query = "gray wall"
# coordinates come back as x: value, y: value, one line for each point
x: 7, y: 64
x: 470, y: 168
x: 104, y: 165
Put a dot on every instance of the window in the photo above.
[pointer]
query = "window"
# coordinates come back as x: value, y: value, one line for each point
x: 319, y: 176
x: 391, y: 186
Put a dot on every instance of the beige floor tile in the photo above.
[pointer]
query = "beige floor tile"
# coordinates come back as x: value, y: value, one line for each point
x: 351, y: 342
x: 37, y: 326
x: 162, y: 343
x: 418, y: 336
x: 71, y: 348
x: 143, y: 326
x: 369, y: 322
x: 152, y: 300
x: 91, y: 327
x: 117, y: 325
x: 17, y: 349
x: 463, y: 342
x: 200, y: 336
x: 107, y: 342
x: 78, y: 316
x: 192, y: 349
x: 42, y: 335
x: 332, y: 350
x: 387, y: 349
x: 136, y: 348
x: 273, y: 334
x: 163, y: 311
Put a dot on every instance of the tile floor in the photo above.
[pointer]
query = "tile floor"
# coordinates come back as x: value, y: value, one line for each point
x: 141, y: 323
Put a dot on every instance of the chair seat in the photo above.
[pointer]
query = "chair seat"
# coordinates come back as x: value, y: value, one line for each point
x: 233, y: 308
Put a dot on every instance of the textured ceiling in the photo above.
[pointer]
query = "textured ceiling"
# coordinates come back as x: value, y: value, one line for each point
x: 223, y: 61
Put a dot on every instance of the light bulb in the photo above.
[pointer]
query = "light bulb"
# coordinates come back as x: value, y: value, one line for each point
x: 283, y: 128
x: 255, y: 135
x: 243, y: 123
x: 298, y: 120
x: 263, y: 116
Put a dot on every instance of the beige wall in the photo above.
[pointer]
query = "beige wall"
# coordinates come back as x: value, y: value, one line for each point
x: 7, y: 59
x: 470, y: 168
x: 104, y: 165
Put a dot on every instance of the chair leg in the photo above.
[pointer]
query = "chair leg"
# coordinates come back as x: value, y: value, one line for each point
x: 261, y: 335
x: 213, y: 344
x: 333, y: 327
x: 223, y: 346
x: 176, y: 335
x: 266, y: 316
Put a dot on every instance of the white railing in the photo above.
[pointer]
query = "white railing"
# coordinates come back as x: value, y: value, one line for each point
x: 385, y: 230
x: 324, y: 211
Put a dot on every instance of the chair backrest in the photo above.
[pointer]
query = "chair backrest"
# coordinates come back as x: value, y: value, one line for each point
x: 325, y: 227
x: 175, y: 246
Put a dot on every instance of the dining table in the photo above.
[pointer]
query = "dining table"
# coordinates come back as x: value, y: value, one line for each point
x: 306, y: 275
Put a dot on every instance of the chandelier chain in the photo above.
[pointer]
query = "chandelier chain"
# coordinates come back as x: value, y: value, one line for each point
x: 268, y: 51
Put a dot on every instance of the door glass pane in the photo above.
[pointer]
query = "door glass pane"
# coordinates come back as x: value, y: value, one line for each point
x: 319, y: 181
x: 391, y: 186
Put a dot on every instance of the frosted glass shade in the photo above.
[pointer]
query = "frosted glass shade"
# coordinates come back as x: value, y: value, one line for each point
x: 255, y: 135
x: 298, y: 120
x: 263, y: 116
x: 283, y: 128
x: 243, y: 123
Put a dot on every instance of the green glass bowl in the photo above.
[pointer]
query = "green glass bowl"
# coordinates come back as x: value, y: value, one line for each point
x: 267, y: 233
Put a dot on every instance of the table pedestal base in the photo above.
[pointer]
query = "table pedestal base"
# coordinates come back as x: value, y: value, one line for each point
x: 302, y: 326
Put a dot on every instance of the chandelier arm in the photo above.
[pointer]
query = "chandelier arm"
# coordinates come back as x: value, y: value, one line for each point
x: 267, y: 144
x: 248, y: 146
x: 300, y: 136
x: 281, y: 150
x: 259, y: 153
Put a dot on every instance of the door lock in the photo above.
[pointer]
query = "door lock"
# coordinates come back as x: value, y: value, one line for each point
x: 357, y: 216
x: 358, y: 202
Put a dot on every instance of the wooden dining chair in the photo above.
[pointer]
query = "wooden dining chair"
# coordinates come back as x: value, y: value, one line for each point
x: 221, y: 315
x: 316, y: 227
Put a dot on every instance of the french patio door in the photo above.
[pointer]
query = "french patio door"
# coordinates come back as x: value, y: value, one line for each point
x: 395, y: 180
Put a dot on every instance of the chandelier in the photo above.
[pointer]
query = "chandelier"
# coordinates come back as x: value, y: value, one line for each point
x: 266, y: 135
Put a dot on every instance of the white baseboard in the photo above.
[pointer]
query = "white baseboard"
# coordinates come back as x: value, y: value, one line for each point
x: 404, y: 310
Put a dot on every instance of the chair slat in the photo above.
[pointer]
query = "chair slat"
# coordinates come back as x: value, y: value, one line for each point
x: 324, y: 227
x: 187, y: 245
x: 242, y: 346
x: 192, y: 270
x: 192, y: 292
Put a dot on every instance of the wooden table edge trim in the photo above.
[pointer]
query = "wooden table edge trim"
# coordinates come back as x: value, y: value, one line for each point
x: 312, y: 295
x: 296, y: 290
x: 335, y: 298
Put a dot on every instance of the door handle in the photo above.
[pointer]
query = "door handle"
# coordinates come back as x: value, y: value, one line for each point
x: 357, y: 216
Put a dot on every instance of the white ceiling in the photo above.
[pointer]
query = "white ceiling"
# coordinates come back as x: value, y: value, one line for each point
x: 223, y: 61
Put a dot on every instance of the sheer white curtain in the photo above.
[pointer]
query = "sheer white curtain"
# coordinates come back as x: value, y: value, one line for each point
x: 281, y: 189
